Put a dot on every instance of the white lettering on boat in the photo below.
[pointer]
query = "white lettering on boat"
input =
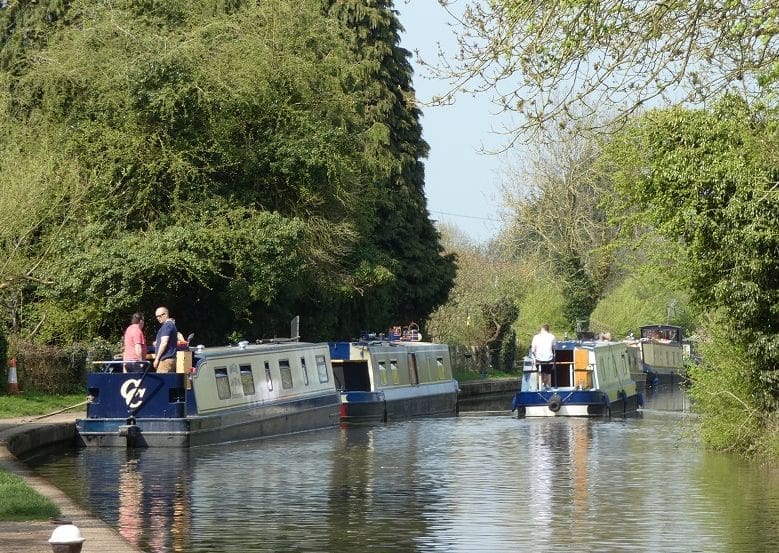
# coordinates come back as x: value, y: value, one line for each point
x: 128, y: 392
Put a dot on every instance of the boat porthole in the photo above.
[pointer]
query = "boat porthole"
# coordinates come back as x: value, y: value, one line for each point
x: 555, y: 403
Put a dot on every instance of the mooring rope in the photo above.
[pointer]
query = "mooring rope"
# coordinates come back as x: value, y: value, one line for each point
x: 61, y: 410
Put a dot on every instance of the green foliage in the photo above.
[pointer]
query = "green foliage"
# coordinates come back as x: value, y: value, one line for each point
x: 499, y: 316
x: 395, y: 220
x: 238, y: 162
x: 542, y: 302
x: 645, y: 296
x: 20, y: 502
x: 558, y: 219
x: 724, y: 389
x: 707, y: 179
x: 580, y: 291
x: 507, y: 354
x: 465, y: 376
x: 529, y: 56
x: 482, y: 280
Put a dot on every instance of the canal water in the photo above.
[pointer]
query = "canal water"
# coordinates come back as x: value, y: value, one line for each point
x: 483, y: 481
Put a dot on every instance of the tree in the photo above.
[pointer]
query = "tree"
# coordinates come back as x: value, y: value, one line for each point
x: 238, y: 162
x: 499, y: 317
x: 484, y: 280
x: 550, y: 61
x: 558, y: 220
x: 216, y: 181
x: 413, y: 275
x: 707, y: 180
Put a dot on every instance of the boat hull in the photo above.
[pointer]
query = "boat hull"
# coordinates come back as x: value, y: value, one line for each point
x: 574, y: 403
x: 399, y: 403
x: 235, y: 425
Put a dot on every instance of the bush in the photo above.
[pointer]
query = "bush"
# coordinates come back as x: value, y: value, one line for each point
x: 728, y: 396
x: 54, y: 370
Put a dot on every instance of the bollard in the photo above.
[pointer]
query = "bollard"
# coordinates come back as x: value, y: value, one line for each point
x: 66, y: 539
x: 13, y: 385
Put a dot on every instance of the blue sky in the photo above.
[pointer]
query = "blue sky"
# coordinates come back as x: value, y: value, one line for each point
x: 462, y: 185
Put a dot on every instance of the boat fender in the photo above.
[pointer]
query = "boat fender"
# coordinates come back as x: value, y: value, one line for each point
x: 514, y: 404
x: 554, y: 404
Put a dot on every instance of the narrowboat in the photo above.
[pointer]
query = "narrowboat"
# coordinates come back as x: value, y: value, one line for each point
x: 218, y: 394
x: 661, y: 349
x: 589, y: 378
x: 393, y: 376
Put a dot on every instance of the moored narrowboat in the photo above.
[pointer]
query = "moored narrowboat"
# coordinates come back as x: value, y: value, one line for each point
x: 662, y: 353
x: 393, y: 376
x: 588, y: 379
x: 218, y: 394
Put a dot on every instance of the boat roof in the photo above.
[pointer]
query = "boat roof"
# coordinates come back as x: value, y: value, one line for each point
x: 259, y: 347
x: 583, y: 344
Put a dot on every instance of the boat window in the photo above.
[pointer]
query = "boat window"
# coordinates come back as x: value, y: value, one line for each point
x: 305, y: 370
x: 222, y: 383
x: 383, y: 372
x: 439, y: 362
x: 247, y: 380
x: 321, y: 367
x: 286, y: 374
x: 394, y: 371
x: 268, y: 378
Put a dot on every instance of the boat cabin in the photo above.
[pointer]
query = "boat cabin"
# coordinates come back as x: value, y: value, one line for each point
x: 381, y: 379
x: 370, y: 366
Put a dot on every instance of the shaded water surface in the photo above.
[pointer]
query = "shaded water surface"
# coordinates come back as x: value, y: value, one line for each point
x: 468, y: 483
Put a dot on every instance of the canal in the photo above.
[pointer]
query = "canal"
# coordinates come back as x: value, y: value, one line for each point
x: 483, y: 481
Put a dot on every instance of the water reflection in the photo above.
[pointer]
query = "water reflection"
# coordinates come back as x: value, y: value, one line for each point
x: 475, y: 483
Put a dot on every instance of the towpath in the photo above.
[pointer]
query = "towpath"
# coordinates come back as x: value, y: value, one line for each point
x: 26, y: 434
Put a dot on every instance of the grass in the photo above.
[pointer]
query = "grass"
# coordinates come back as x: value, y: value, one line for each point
x: 21, y: 503
x: 31, y: 404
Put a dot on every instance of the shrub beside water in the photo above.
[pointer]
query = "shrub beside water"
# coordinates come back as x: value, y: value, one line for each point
x: 728, y: 397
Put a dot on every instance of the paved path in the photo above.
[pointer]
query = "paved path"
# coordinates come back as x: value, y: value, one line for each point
x: 33, y: 537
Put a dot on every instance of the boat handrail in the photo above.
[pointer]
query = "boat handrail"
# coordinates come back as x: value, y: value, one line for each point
x: 109, y: 366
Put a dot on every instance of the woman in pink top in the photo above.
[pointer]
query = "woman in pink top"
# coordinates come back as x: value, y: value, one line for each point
x: 134, y: 345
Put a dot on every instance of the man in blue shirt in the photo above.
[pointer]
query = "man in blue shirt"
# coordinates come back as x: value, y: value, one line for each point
x: 165, y: 343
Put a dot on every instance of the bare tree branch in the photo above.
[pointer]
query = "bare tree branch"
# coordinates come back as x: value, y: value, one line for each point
x: 556, y: 60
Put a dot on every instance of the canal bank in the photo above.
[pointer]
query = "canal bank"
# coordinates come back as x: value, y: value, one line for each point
x: 487, y: 395
x: 20, y: 438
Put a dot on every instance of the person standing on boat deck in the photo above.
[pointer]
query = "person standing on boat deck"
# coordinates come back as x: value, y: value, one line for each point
x: 542, y: 347
x: 134, y: 345
x: 165, y: 343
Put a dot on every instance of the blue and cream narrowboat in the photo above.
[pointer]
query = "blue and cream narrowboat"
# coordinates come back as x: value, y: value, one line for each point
x: 589, y: 379
x: 218, y: 394
x: 392, y: 377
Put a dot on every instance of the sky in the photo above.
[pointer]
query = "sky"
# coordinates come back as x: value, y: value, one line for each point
x: 462, y: 185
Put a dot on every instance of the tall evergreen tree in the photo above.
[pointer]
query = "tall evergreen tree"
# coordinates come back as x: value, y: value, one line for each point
x: 417, y: 274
